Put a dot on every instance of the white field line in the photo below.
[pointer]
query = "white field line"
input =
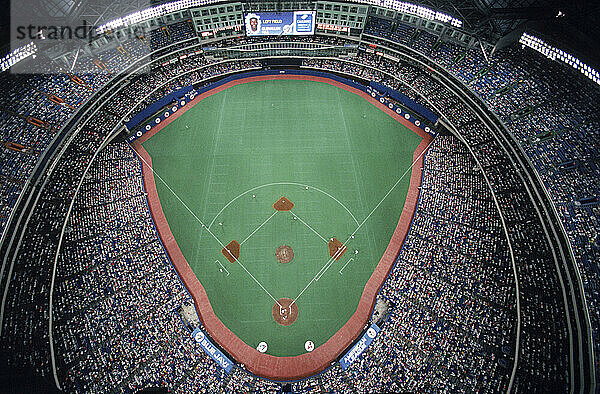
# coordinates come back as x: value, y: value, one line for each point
x: 328, y: 264
x: 204, y: 226
x: 311, y: 229
x: 258, y: 228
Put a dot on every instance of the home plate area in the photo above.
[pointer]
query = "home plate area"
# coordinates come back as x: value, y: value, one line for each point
x: 285, y: 311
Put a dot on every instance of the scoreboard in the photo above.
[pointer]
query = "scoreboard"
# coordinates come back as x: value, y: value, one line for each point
x: 296, y: 23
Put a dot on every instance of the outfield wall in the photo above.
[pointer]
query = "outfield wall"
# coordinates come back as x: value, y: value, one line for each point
x: 173, y: 97
x: 406, y: 101
x: 183, y: 96
x: 308, y: 364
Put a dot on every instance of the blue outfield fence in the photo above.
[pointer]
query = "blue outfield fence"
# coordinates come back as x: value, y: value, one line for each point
x: 360, y: 346
x: 157, y: 105
x: 406, y: 101
x: 182, y: 96
x: 210, y: 349
x: 399, y: 110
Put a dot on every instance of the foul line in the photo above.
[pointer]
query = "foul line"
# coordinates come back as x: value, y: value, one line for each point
x: 306, y: 224
x: 329, y: 263
x: 204, y: 226
x: 258, y: 228
x: 256, y: 280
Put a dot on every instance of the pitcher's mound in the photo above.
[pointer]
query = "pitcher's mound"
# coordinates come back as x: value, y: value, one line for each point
x: 284, y: 254
x: 285, y: 314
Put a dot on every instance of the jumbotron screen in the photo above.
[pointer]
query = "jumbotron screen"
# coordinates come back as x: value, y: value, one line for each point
x: 296, y: 23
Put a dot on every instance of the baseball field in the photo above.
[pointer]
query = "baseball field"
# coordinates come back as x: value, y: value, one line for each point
x: 343, y: 166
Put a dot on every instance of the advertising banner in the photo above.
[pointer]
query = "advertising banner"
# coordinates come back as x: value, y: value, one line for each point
x: 296, y: 23
x: 212, y: 351
x: 359, y: 347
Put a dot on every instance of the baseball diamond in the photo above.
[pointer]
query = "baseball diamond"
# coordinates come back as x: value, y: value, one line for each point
x: 241, y: 178
x: 330, y: 196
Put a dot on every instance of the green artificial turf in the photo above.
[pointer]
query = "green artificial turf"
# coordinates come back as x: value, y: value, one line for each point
x: 270, y: 139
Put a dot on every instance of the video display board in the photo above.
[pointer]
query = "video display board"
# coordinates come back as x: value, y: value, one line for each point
x: 296, y: 23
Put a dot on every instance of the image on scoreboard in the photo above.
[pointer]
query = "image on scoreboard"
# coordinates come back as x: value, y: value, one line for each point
x: 280, y: 23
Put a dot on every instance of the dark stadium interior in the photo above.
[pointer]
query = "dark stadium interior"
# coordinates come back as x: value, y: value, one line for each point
x: 496, y: 287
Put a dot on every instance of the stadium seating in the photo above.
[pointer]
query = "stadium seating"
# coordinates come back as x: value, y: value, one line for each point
x: 453, y: 323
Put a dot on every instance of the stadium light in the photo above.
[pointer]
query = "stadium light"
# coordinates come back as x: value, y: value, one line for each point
x: 17, y: 55
x: 557, y: 54
x: 418, y: 10
x: 167, y: 8
x: 151, y: 13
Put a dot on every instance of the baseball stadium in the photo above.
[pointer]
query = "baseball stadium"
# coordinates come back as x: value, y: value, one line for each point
x: 281, y: 196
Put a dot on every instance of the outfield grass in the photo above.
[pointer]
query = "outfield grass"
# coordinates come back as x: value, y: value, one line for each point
x: 272, y: 139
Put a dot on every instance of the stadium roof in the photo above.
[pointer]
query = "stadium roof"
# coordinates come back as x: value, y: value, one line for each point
x: 572, y: 25
x: 576, y: 29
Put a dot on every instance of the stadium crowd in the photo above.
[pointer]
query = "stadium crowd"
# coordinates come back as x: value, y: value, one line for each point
x: 551, y: 111
x: 52, y: 97
x: 453, y: 288
x: 117, y: 295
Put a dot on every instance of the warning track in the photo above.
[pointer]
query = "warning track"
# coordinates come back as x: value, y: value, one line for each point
x: 284, y: 368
